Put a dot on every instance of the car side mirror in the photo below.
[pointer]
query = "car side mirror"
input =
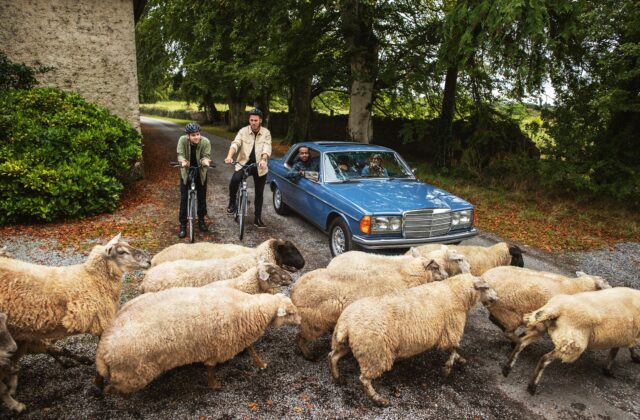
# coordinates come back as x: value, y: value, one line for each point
x: 312, y: 175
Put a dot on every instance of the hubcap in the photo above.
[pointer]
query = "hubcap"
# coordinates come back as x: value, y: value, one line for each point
x: 277, y: 198
x: 338, y: 241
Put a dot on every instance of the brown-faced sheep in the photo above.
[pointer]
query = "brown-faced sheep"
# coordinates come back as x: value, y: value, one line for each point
x: 8, y: 369
x: 322, y: 295
x: 482, y: 258
x: 448, y: 260
x: 290, y: 255
x: 605, y: 319
x: 159, y: 331
x: 44, y: 304
x: 380, y: 330
x: 522, y: 290
x: 195, y: 273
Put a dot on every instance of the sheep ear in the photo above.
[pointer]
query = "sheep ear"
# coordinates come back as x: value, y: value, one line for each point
x: 263, y: 274
x: 580, y: 273
x: 453, y: 255
x: 444, y: 248
x: 282, y: 311
x: 112, y: 243
x: 414, y: 252
x: 432, y: 265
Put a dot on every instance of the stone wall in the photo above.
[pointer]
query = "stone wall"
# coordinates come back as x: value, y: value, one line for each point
x: 90, y: 44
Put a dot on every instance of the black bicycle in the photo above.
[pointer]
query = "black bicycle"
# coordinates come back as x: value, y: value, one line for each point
x: 242, y: 198
x: 192, y: 199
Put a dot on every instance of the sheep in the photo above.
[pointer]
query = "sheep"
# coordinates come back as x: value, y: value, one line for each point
x: 159, y: 331
x: 482, y: 258
x: 381, y: 329
x: 522, y: 290
x: 44, y: 304
x: 182, y: 273
x: 8, y: 369
x: 289, y: 254
x: 321, y: 295
x: 265, y: 278
x: 605, y: 319
x: 450, y: 261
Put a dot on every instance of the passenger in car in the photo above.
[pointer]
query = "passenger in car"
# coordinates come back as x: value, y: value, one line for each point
x: 303, y: 163
x: 345, y: 169
x: 375, y: 167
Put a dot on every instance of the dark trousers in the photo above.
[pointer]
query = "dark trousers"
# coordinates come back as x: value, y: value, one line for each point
x: 258, y: 182
x: 202, y: 199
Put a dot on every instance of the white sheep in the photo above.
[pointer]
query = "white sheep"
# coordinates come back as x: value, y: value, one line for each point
x: 321, y: 295
x: 379, y: 330
x: 195, y: 273
x: 448, y: 260
x: 8, y: 369
x: 522, y: 290
x: 159, y: 331
x: 265, y: 278
x: 289, y: 255
x: 605, y: 319
x: 481, y: 258
x: 44, y: 304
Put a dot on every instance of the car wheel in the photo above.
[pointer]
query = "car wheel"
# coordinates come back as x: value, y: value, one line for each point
x: 339, y: 237
x: 278, y: 204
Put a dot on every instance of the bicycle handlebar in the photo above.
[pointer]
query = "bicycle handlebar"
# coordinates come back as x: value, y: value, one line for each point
x: 179, y: 165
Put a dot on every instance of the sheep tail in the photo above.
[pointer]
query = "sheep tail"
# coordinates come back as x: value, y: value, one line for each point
x: 340, y: 336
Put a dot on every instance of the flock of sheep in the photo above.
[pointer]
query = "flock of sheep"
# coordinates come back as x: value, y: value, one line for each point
x: 208, y: 302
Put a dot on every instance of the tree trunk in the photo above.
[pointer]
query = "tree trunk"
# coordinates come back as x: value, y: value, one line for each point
x: 237, y: 99
x: 299, y: 110
x: 446, y: 116
x: 358, y: 17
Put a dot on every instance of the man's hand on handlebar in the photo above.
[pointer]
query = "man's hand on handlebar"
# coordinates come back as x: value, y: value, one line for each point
x: 184, y: 163
x: 228, y: 160
x: 206, y: 162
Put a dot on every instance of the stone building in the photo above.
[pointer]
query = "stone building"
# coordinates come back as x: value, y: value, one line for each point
x: 89, y: 43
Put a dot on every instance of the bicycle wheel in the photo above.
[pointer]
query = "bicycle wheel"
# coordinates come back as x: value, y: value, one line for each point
x: 242, y: 212
x: 193, y: 202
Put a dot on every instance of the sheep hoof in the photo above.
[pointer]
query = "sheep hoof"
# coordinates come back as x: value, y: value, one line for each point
x: 381, y: 402
x: 18, y: 407
x: 263, y: 366
x: 94, y: 391
x: 608, y: 372
x: 532, y: 388
x: 506, y: 370
x: 446, y: 371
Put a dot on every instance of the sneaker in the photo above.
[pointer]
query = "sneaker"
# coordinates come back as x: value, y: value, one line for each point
x: 231, y: 209
x: 202, y: 226
x: 257, y: 221
x: 183, y: 231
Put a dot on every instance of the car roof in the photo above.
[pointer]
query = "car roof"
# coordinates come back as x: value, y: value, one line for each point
x: 337, y: 146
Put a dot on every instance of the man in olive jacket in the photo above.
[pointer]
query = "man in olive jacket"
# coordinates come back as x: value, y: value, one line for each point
x: 253, y: 145
x: 193, y: 150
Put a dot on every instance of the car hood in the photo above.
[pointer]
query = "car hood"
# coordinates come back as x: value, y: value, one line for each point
x: 395, y: 195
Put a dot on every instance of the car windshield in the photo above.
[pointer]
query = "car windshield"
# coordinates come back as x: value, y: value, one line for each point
x: 352, y: 165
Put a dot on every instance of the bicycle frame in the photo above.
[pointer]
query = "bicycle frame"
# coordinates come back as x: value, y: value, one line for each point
x: 242, y: 198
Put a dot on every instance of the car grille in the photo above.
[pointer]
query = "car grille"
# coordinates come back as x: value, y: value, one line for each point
x: 426, y: 223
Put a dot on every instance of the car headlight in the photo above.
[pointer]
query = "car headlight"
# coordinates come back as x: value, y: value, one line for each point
x: 381, y: 224
x: 461, y: 219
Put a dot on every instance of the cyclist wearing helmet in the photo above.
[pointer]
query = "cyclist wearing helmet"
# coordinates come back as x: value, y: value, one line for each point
x: 193, y: 150
x: 253, y: 145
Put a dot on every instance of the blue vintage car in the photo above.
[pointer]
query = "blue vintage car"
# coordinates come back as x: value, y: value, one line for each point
x: 367, y: 196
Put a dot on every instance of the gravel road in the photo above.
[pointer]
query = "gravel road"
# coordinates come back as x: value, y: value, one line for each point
x: 293, y: 387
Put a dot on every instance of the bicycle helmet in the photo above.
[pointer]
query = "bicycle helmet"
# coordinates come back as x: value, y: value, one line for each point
x: 192, y: 128
x: 256, y: 111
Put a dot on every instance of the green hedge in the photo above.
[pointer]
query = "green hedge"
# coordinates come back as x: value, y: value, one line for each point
x: 60, y: 156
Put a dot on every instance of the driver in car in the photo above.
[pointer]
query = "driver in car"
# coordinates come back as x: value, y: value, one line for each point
x: 304, y: 163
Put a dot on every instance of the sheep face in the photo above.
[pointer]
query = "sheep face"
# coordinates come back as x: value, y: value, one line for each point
x: 287, y: 313
x: 487, y: 294
x: 7, y: 344
x: 460, y: 260
x: 272, y: 277
x: 516, y: 256
x: 288, y: 256
x: 437, y: 271
x: 599, y: 283
x: 126, y: 257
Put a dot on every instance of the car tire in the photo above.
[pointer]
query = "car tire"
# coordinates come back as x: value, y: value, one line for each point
x: 339, y: 237
x: 278, y: 203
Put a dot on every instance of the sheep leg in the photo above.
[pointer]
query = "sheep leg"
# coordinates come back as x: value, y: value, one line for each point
x: 256, y: 358
x: 453, y: 357
x: 612, y: 355
x: 303, y: 345
x: 212, y: 380
x: 98, y: 381
x: 56, y: 353
x: 634, y: 356
x: 529, y: 337
x: 371, y: 392
x: 13, y: 384
x: 334, y: 357
x: 542, y: 364
x: 8, y: 399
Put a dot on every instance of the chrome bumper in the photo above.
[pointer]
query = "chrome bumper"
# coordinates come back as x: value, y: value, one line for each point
x: 403, y: 242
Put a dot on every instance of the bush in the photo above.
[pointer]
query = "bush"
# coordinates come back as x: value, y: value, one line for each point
x: 60, y: 156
